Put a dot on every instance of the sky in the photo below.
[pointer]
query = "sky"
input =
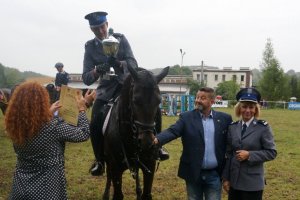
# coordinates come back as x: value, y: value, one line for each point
x: 35, y: 34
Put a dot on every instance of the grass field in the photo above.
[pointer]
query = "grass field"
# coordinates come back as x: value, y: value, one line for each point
x: 283, y: 174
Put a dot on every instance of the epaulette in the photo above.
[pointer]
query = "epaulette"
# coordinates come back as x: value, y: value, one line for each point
x: 118, y: 35
x: 234, y: 122
x: 89, y: 42
x: 263, y: 122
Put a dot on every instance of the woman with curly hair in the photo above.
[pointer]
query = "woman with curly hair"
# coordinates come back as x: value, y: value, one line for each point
x: 39, y: 141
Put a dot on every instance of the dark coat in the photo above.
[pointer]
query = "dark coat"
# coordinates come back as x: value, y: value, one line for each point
x: 189, y: 127
x: 258, y: 140
x: 62, y: 78
x: 94, y: 55
x: 40, y: 170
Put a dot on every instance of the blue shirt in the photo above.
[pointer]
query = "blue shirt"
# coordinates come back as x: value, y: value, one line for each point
x: 209, y: 159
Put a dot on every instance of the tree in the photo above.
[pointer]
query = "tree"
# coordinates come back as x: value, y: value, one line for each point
x: 273, y: 84
x: 194, y: 86
x: 294, y: 85
x: 3, y: 82
x: 13, y: 77
x: 176, y: 70
x: 227, y: 89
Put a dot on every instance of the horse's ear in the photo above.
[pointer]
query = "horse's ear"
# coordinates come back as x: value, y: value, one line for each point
x: 133, y: 72
x: 162, y: 74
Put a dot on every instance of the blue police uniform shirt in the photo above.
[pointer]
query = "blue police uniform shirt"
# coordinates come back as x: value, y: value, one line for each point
x: 209, y: 159
x: 94, y: 55
x: 62, y: 78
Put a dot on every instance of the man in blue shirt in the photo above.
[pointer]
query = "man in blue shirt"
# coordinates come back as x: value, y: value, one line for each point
x: 203, y: 132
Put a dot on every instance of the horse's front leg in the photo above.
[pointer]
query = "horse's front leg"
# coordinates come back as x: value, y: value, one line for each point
x: 138, y: 188
x: 106, y: 193
x: 148, y: 180
x: 117, y: 183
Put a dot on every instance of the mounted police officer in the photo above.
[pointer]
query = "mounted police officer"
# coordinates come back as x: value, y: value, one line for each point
x: 97, y: 65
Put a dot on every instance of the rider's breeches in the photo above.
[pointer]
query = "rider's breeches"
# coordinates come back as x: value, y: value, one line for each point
x: 96, y: 128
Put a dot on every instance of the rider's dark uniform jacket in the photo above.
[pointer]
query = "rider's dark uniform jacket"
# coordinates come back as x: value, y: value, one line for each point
x: 62, y: 78
x: 94, y: 55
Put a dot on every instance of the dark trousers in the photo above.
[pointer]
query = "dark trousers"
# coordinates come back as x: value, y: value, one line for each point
x: 244, y: 195
x: 96, y: 124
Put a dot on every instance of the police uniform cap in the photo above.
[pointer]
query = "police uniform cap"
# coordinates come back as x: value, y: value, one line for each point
x: 96, y: 18
x: 248, y: 94
x: 59, y: 64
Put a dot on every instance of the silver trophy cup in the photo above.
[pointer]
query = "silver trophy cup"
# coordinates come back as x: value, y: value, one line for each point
x: 111, y: 48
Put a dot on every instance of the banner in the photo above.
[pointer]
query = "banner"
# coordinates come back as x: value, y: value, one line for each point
x: 220, y: 104
x: 294, y: 106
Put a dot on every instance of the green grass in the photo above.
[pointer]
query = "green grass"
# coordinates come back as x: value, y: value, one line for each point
x: 283, y: 174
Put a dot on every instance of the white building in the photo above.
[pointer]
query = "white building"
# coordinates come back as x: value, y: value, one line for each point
x: 177, y: 84
x: 76, y: 82
x: 174, y: 84
x: 213, y: 76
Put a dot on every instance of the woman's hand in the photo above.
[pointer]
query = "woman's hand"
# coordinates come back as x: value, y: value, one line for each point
x: 80, y: 102
x: 226, y: 186
x: 89, y: 97
x: 242, y: 155
x: 54, y: 107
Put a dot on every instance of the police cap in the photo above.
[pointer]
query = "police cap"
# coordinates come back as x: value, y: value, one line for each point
x: 248, y: 94
x: 96, y: 18
x: 59, y: 64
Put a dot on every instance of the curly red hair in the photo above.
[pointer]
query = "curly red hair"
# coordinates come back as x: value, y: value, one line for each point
x: 28, y: 110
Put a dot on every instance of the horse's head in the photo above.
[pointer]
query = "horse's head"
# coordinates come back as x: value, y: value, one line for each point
x: 144, y: 104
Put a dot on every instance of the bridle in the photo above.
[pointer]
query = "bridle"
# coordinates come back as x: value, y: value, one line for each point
x: 137, y: 128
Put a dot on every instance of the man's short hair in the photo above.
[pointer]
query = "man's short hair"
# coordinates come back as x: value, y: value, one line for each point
x: 209, y: 90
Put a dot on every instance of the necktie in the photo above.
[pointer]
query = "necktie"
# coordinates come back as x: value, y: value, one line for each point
x: 244, y: 127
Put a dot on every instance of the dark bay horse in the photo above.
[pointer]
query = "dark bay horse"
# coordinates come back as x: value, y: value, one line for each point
x: 128, y: 140
x: 5, y: 95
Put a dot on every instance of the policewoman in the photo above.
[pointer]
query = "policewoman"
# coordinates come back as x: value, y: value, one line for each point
x: 96, y: 64
x: 250, y: 143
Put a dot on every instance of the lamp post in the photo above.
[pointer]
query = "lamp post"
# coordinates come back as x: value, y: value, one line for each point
x: 182, y: 53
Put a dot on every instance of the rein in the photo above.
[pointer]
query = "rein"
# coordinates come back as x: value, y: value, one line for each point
x: 137, y: 128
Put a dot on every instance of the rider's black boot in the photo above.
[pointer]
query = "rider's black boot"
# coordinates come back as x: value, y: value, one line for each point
x: 97, y: 168
x: 163, y: 154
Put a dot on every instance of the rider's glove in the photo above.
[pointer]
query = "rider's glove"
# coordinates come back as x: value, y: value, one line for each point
x: 114, y: 62
x: 102, y: 68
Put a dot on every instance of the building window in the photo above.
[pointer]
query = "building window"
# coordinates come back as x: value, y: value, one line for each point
x: 216, y: 77
x: 234, y: 78
x: 198, y: 77
x: 205, y: 77
x: 223, y: 78
x: 242, y: 78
